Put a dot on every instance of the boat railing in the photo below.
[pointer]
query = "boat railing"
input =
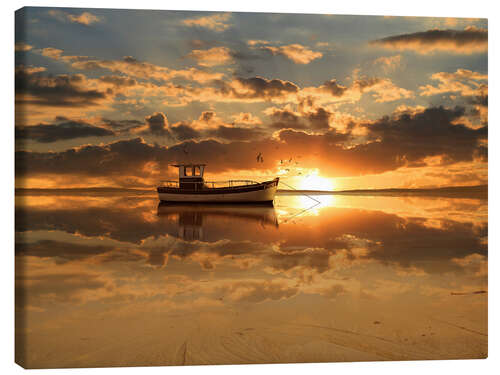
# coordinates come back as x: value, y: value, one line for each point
x: 208, y: 184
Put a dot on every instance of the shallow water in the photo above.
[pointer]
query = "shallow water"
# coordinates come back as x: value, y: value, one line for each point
x: 117, y: 280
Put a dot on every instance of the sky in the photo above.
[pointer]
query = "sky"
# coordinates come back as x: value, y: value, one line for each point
x: 112, y: 97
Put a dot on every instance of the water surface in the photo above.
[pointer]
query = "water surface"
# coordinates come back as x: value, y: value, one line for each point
x: 115, y: 279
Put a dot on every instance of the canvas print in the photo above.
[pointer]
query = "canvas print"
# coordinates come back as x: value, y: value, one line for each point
x: 199, y: 188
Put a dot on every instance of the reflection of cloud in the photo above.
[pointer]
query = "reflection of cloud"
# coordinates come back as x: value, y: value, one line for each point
x: 62, y: 251
x: 345, y: 235
x: 253, y: 291
x: 42, y: 288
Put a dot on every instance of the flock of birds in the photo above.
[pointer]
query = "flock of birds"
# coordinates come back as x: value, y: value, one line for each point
x: 260, y: 159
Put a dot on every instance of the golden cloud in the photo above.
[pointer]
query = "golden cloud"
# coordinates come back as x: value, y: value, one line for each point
x: 298, y: 53
x: 212, y: 57
x: 216, y: 22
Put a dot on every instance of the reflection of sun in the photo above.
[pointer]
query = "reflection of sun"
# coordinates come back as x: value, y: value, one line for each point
x: 315, y: 182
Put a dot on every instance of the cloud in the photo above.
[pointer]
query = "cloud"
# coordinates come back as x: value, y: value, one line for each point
x: 131, y: 67
x: 67, y: 129
x: 467, y: 41
x: 238, y: 89
x: 23, y: 47
x: 406, y: 135
x: 246, y: 118
x: 120, y: 124
x: 53, y: 53
x: 333, y: 88
x: 390, y: 143
x: 298, y: 53
x: 54, y: 91
x: 389, y: 63
x: 463, y: 81
x: 315, y: 118
x: 216, y: 22
x: 208, y: 125
x: 184, y: 132
x: 156, y: 124
x: 85, y: 18
x: 382, y: 89
x: 234, y: 133
x: 216, y: 89
x: 212, y: 57
x: 285, y: 118
x: 257, y: 88
x: 118, y: 81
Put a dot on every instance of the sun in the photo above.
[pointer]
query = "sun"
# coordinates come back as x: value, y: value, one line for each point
x: 313, y: 181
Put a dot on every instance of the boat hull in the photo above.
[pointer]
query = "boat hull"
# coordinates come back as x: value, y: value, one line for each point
x: 261, y: 193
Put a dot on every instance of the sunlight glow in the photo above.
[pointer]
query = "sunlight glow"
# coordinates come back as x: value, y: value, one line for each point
x: 315, y: 182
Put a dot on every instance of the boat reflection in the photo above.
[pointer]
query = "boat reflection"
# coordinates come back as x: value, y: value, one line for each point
x: 192, y: 218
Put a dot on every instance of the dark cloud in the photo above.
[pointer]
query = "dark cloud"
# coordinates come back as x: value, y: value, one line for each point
x: 365, y: 83
x: 157, y: 124
x: 118, y: 81
x: 61, y: 131
x: 334, y: 88
x: 480, y: 100
x: 317, y: 119
x: 121, y: 124
x: 184, y: 132
x: 234, y: 133
x: 207, y: 116
x: 460, y: 41
x: 90, y: 160
x: 54, y: 91
x: 393, y: 142
x: 286, y: 119
x: 320, y: 119
x: 409, y: 136
x: 256, y: 88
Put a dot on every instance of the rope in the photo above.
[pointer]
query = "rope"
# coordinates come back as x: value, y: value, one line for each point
x: 302, y: 193
x: 305, y: 210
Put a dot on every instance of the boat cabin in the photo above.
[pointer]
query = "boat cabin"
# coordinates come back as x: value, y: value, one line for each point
x: 191, y: 176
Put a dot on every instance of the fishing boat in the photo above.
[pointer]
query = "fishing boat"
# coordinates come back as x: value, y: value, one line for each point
x: 191, y: 187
